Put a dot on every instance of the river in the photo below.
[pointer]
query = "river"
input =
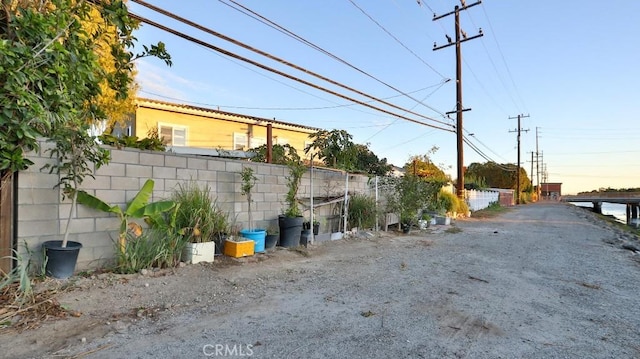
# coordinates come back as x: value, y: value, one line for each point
x: 613, y: 209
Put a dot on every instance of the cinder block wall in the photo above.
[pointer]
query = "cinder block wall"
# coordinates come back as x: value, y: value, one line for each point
x: 42, y: 214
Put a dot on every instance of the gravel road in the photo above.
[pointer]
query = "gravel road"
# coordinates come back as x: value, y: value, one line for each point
x: 539, y: 281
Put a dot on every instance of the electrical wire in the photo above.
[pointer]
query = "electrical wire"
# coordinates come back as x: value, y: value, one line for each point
x: 275, y: 108
x: 267, y: 68
x: 396, y: 120
x: 277, y: 59
x: 482, y: 143
x: 495, y: 69
x: 395, y: 38
x: 256, y: 16
x: 504, y: 61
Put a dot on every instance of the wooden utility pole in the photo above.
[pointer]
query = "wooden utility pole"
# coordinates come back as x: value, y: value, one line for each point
x: 518, y: 130
x: 531, y: 168
x: 537, y: 164
x: 459, y: 109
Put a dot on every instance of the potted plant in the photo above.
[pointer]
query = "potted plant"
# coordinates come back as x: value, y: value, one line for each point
x: 74, y: 150
x: 290, y: 222
x: 446, y: 203
x: 273, y: 235
x: 199, y: 222
x: 407, y: 220
x: 424, y: 221
x: 257, y: 235
x: 237, y: 246
x: 306, y: 225
x: 138, y: 208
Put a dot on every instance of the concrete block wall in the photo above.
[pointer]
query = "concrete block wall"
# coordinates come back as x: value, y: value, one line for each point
x: 42, y: 214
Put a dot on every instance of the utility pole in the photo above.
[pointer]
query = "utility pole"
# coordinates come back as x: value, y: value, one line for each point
x: 531, y: 168
x: 518, y: 130
x: 459, y: 109
x: 537, y: 164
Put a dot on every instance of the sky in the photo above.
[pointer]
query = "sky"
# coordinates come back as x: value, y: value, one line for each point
x: 571, y: 67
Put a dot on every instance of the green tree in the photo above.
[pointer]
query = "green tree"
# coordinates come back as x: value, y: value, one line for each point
x: 51, y: 70
x: 368, y: 162
x: 281, y: 154
x: 423, y: 166
x: 408, y: 194
x: 334, y: 148
x: 499, y: 175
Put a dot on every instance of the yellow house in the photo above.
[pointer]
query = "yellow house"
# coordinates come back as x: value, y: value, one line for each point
x: 200, y: 127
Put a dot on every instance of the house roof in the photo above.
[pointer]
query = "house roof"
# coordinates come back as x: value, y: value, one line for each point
x: 209, y: 112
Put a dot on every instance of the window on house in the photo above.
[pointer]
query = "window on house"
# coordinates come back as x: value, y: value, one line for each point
x: 239, y: 141
x: 173, y: 135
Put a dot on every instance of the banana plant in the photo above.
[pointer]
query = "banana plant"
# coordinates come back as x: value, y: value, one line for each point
x: 137, y: 208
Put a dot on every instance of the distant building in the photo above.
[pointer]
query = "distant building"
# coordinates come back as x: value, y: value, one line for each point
x: 551, y: 191
x: 506, y: 196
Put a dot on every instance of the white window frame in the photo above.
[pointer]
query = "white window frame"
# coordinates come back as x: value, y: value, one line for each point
x: 174, y: 127
x: 239, y: 138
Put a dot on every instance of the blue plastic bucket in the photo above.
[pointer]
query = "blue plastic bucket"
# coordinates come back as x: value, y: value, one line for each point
x: 257, y: 235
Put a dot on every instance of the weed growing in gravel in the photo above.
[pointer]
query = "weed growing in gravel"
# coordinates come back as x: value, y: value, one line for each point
x: 493, y: 210
x: 453, y: 230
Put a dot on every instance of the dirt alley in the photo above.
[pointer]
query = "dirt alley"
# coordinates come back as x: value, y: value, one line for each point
x: 539, y: 281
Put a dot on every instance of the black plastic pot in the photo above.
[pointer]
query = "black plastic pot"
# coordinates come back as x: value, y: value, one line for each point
x: 406, y: 228
x: 290, y: 230
x: 304, y: 237
x: 316, y: 228
x: 220, y: 238
x: 271, y: 240
x: 61, y: 262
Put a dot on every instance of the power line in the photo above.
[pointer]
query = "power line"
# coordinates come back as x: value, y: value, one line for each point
x: 515, y: 87
x: 275, y: 108
x: 272, y: 57
x: 482, y: 143
x: 395, y: 38
x: 396, y: 120
x: 256, y: 16
x: 495, y: 68
x: 291, y: 77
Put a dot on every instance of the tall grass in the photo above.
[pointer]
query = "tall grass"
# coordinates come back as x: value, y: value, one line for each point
x: 152, y: 248
x: 362, y: 211
x: 20, y: 276
x: 198, y: 218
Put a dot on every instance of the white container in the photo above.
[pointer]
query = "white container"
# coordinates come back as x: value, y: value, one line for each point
x: 423, y: 224
x: 199, y: 252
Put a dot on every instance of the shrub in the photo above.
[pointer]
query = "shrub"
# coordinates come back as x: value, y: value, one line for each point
x: 198, y: 218
x: 462, y: 207
x: 362, y: 211
x: 447, y: 201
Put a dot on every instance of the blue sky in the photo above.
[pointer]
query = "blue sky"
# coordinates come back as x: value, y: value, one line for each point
x: 572, y: 66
